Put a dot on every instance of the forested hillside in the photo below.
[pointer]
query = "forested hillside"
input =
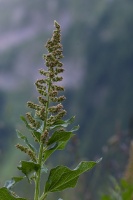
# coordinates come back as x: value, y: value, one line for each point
x: 98, y: 62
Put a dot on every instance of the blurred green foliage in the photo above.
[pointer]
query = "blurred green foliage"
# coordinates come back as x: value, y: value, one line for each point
x: 119, y: 191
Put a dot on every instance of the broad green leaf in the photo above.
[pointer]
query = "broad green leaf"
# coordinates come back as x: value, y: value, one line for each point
x: 28, y: 168
x: 59, y: 136
x: 62, y: 177
x: 62, y: 123
x: 23, y: 137
x: 57, y: 146
x: 10, y: 183
x: 5, y: 194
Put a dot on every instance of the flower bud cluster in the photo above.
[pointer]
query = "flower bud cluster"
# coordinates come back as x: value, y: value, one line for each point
x: 42, y: 100
x: 44, y: 136
x: 27, y: 151
x: 58, y: 99
x: 31, y: 119
x: 55, y: 109
x: 47, y: 88
x: 53, y: 118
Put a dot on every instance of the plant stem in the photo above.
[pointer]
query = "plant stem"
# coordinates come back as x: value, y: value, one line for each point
x: 43, y: 197
x: 38, y: 175
x: 37, y: 185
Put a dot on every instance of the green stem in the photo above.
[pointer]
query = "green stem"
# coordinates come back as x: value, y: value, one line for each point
x: 43, y: 197
x: 38, y: 174
x: 37, y: 184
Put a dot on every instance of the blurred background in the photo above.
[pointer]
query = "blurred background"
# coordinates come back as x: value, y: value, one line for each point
x: 98, y: 61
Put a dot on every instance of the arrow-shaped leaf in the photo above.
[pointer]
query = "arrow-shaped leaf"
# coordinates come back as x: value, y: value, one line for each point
x: 5, y: 194
x: 62, y: 177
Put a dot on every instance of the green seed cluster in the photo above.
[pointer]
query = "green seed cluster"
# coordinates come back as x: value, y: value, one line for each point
x: 26, y: 150
x: 44, y: 136
x: 49, y: 108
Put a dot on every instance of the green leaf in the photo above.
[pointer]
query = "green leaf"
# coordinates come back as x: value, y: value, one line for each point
x: 59, y: 136
x: 5, y: 194
x: 58, y: 145
x: 10, y: 183
x: 48, y: 152
x: 28, y: 168
x: 23, y: 137
x: 62, y: 177
x: 62, y: 123
x: 61, y: 145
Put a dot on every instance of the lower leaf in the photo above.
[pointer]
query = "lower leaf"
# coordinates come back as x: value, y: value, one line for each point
x: 62, y: 177
x: 5, y: 194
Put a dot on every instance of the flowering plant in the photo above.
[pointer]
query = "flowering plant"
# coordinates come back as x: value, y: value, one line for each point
x: 48, y: 129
